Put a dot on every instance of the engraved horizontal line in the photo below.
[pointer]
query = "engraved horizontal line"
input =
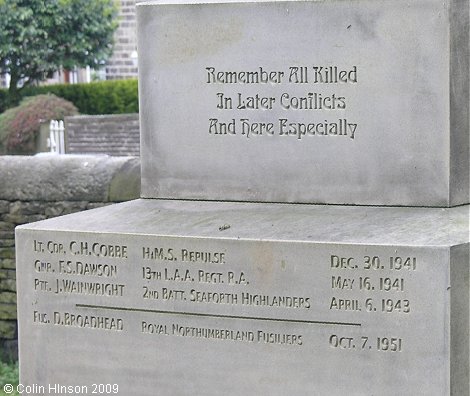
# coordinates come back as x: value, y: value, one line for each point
x: 209, y: 315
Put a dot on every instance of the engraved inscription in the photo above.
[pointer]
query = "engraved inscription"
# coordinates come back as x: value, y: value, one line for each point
x: 67, y: 286
x: 311, y: 111
x: 366, y: 343
x: 88, y: 321
x: 256, y: 336
x: 195, y: 282
x: 383, y: 283
x: 83, y: 248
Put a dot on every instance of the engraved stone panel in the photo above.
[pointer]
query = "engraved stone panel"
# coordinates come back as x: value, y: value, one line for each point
x: 344, y: 102
x: 253, y: 299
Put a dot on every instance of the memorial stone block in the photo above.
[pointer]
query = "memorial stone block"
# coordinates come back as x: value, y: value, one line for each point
x: 159, y: 297
x: 361, y: 102
x: 343, y: 102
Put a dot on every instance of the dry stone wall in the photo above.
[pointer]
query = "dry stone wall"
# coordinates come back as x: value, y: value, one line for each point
x: 116, y: 135
x: 45, y: 186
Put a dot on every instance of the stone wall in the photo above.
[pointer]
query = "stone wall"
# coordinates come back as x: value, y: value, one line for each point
x: 45, y: 186
x: 117, y: 135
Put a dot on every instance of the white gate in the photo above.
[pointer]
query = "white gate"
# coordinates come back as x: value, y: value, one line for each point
x: 57, y: 137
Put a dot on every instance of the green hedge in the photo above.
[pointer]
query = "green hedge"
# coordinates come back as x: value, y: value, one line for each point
x: 104, y: 97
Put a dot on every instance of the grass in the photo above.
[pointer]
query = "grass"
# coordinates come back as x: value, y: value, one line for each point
x: 8, y: 375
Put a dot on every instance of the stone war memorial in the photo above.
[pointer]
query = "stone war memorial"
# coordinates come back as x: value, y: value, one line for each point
x: 304, y: 221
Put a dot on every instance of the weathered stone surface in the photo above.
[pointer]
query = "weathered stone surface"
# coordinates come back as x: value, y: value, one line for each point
x: 18, y: 218
x: 7, y: 253
x: 7, y: 234
x: 7, y: 297
x: 8, y: 329
x: 6, y: 226
x: 7, y: 311
x: 342, y: 102
x: 8, y: 263
x: 7, y: 242
x: 60, y: 178
x: 4, y: 206
x: 8, y: 285
x: 125, y: 186
x: 94, y: 205
x: 271, y: 299
x: 7, y: 272
x: 27, y: 208
x: 65, y: 207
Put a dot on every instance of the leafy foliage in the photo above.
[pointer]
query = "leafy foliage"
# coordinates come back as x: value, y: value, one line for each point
x: 37, y: 37
x: 8, y: 374
x: 104, y: 97
x: 20, y: 125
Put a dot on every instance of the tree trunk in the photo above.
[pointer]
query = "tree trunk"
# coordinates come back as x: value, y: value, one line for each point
x: 66, y: 76
x: 14, y: 96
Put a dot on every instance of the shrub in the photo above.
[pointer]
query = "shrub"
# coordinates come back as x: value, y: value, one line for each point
x: 103, y: 97
x: 19, y: 126
x: 8, y: 374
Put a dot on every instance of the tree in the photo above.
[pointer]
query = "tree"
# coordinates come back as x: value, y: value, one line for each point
x: 39, y: 37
